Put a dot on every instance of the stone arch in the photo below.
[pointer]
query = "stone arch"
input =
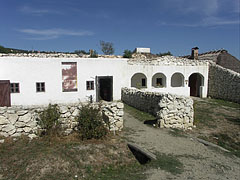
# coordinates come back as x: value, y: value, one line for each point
x: 139, y: 80
x: 195, y: 81
x: 159, y: 80
x: 177, y: 80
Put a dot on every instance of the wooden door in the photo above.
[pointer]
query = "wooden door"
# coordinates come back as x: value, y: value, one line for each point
x: 5, y: 99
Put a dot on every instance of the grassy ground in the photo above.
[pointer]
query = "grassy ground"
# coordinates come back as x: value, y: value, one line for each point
x: 218, y: 121
x: 67, y: 158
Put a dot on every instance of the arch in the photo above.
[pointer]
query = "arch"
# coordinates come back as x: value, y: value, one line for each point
x: 177, y: 80
x: 139, y: 80
x: 159, y: 80
x: 195, y: 80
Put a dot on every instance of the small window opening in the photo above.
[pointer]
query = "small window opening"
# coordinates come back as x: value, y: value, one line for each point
x: 159, y: 82
x: 143, y: 82
x: 15, y: 88
x: 40, y: 87
x: 90, y: 85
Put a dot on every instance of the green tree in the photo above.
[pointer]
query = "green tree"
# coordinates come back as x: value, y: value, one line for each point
x: 164, y: 54
x: 80, y: 52
x: 107, y: 47
x: 127, y: 53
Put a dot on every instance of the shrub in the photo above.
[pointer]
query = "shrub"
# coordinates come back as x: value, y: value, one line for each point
x: 49, y: 120
x: 90, y: 123
x: 93, y: 54
x: 127, y: 54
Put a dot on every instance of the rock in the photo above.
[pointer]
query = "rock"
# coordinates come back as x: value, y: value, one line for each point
x: 25, y: 118
x: 3, y: 120
x: 27, y: 129
x: 8, y: 127
x: 12, y: 118
x: 4, y: 134
x: 21, y: 113
x: 16, y: 135
x: 20, y: 124
x: 63, y: 109
x: 120, y: 105
x: 11, y: 111
x: 31, y: 136
x: 1, y: 141
x: 75, y: 112
x: 120, y: 113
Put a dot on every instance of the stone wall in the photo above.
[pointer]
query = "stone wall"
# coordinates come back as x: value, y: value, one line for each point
x: 223, y: 83
x: 18, y: 120
x: 171, y: 110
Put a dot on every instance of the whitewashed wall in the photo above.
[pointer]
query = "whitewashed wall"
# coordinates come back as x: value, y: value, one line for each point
x: 29, y: 70
x: 150, y: 70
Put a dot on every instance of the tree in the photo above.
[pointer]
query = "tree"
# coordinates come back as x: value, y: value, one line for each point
x: 127, y: 53
x: 107, y: 47
x: 80, y: 52
x: 164, y: 54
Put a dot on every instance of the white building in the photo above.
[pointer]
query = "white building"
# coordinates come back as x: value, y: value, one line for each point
x: 40, y: 81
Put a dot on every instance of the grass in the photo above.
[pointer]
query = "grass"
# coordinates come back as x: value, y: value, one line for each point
x: 168, y: 163
x: 224, y: 103
x: 140, y: 115
x: 221, y: 120
x: 65, y: 158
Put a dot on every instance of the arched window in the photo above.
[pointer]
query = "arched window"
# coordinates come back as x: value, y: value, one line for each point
x: 139, y: 80
x: 177, y: 80
x: 159, y: 80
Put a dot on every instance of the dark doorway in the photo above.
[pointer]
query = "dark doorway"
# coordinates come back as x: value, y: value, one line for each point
x: 104, y: 88
x: 194, y: 82
x: 5, y: 99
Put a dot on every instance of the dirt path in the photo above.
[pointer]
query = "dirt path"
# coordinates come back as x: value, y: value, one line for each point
x: 200, y: 161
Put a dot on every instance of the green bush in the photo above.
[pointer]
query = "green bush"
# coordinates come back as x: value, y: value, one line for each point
x: 127, y: 54
x: 90, y: 123
x: 49, y: 120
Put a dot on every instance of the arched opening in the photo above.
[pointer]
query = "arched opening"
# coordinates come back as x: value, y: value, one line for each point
x: 159, y: 80
x: 177, y: 80
x: 194, y: 82
x: 139, y: 80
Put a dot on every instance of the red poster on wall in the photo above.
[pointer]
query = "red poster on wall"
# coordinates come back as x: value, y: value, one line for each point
x: 69, y: 76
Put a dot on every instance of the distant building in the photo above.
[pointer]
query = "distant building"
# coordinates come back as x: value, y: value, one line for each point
x: 220, y: 57
x: 142, y: 50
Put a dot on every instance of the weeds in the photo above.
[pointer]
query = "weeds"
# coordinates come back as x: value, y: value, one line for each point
x: 90, y: 122
x: 167, y: 162
x: 140, y: 115
x: 49, y: 120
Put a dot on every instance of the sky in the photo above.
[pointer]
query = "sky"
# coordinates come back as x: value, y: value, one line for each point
x: 162, y: 25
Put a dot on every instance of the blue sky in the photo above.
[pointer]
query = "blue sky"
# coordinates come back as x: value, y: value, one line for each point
x: 162, y: 25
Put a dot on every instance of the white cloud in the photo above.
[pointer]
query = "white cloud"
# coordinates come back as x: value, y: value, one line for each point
x: 206, y: 22
x: 34, y: 11
x: 46, y: 34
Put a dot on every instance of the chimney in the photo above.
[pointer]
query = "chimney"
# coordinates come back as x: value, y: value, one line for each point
x: 194, y: 54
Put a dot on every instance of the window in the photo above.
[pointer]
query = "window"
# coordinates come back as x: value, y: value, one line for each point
x: 40, y: 87
x: 90, y: 85
x: 15, y: 88
x: 159, y: 81
x: 143, y: 82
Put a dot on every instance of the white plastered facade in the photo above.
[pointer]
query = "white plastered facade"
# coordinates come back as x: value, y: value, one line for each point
x: 28, y: 70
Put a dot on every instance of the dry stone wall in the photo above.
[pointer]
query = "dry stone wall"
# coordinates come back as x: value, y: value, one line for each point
x: 223, y: 83
x: 18, y: 120
x: 171, y: 110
